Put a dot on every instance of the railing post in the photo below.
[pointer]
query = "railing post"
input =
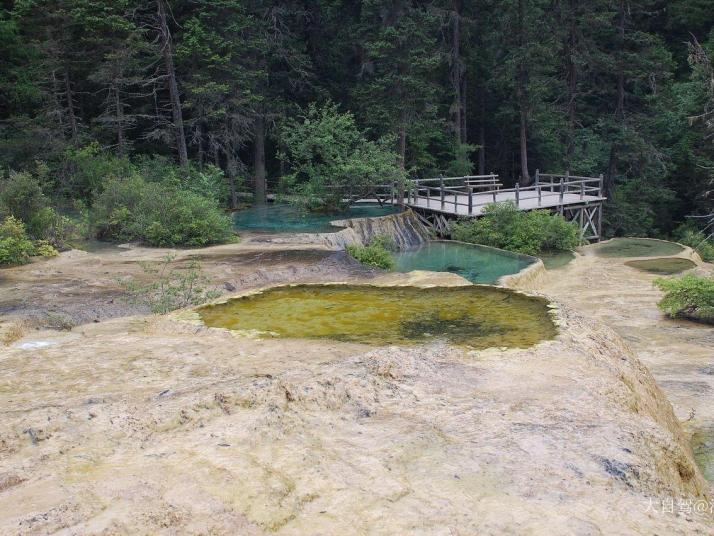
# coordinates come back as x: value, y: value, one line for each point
x: 561, y: 190
x: 494, y: 196
x: 394, y: 191
x: 567, y: 178
x: 428, y: 190
x: 518, y: 195
x: 601, y: 185
x: 441, y: 187
x: 537, y: 178
x: 471, y: 200
x: 538, y: 188
x: 582, y: 189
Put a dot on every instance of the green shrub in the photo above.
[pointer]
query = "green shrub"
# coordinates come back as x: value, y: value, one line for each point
x: 21, y: 196
x: 376, y: 253
x: 504, y: 226
x: 44, y: 249
x: 690, y: 236
x: 385, y: 242
x: 58, y: 230
x: 689, y: 296
x: 87, y: 168
x: 158, y: 214
x: 15, y: 246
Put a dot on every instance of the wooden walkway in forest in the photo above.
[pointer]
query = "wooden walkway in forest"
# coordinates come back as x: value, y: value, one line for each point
x: 439, y: 200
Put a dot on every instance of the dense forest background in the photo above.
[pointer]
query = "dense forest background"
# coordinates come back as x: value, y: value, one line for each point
x: 200, y: 90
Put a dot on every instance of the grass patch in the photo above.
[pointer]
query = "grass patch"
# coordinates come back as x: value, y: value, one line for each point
x: 377, y: 253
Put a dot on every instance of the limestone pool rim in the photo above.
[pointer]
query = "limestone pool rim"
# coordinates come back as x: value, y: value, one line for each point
x: 686, y: 253
x: 416, y: 279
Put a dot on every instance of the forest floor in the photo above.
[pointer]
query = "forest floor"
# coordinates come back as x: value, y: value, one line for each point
x: 158, y: 425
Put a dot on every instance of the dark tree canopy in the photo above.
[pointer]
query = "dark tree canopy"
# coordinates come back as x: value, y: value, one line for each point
x: 619, y: 87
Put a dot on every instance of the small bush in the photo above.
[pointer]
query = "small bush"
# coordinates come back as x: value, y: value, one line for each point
x: 376, y: 254
x: 45, y: 249
x: 157, y: 214
x: 49, y: 226
x: 15, y: 246
x: 689, y: 296
x: 690, y: 236
x: 504, y: 226
x: 21, y: 196
x: 385, y: 242
x: 170, y: 287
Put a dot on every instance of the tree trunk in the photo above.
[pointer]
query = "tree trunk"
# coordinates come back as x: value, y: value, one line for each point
x: 481, y: 128
x: 464, y: 137
x: 609, y: 185
x: 402, y: 153
x: 71, y: 117
x: 58, y: 108
x: 456, y: 70
x: 200, y: 144
x: 522, y: 81
x: 525, y: 175
x: 259, y: 160
x: 121, y: 143
x: 620, y: 110
x: 173, y: 85
x: 571, y: 76
x: 232, y: 172
x: 402, y: 140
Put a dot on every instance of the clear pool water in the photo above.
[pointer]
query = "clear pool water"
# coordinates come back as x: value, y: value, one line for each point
x: 637, y: 247
x: 283, y: 218
x: 703, y: 445
x: 665, y: 266
x: 554, y: 260
x: 478, y: 264
x: 480, y: 317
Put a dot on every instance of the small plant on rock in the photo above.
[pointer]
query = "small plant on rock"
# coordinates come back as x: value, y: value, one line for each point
x: 689, y: 296
x: 170, y: 287
x: 377, y: 253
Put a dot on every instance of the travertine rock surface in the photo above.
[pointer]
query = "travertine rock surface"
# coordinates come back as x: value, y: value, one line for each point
x: 147, y: 425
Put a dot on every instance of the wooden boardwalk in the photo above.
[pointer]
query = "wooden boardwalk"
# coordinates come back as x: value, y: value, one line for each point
x: 437, y: 201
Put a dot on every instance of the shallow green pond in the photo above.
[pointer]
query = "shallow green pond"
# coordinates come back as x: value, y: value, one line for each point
x: 665, y: 266
x: 478, y: 264
x: 281, y: 218
x: 556, y: 259
x: 479, y: 317
x: 703, y: 446
x: 637, y: 247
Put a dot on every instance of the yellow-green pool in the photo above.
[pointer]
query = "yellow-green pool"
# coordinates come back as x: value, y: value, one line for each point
x: 475, y: 316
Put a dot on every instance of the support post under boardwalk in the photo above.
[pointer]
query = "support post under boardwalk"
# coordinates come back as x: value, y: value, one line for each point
x: 441, y: 187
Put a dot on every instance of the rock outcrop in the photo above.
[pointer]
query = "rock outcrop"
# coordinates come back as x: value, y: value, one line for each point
x: 404, y: 228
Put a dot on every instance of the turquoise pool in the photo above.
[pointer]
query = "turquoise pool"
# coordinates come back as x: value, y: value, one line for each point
x: 478, y: 264
x: 281, y: 218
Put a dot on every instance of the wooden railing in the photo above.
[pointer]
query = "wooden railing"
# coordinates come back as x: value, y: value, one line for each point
x: 442, y: 192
